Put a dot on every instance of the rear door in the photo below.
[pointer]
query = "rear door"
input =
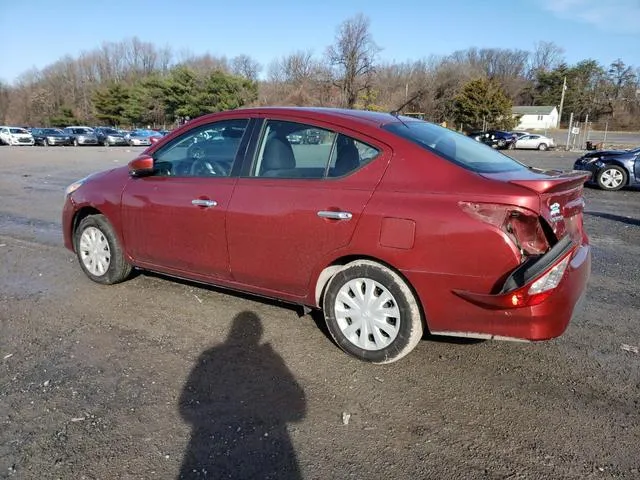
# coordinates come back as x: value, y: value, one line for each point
x: 297, y: 203
x: 175, y: 219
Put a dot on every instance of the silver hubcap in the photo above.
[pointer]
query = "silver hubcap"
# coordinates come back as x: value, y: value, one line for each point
x: 94, y: 251
x: 367, y: 314
x: 611, y: 178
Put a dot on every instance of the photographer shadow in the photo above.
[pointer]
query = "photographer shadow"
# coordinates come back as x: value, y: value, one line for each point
x: 238, y: 399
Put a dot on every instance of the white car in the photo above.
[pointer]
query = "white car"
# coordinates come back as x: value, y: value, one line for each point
x: 15, y: 136
x: 535, y: 142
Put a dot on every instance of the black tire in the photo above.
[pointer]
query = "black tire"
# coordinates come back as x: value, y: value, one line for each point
x: 118, y: 268
x: 543, y: 147
x: 605, y: 178
x: 409, y: 325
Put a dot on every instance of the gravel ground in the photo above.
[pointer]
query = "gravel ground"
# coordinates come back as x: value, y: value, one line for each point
x: 149, y: 378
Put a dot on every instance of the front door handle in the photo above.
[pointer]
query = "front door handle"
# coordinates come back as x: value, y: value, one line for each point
x: 335, y: 215
x: 198, y: 202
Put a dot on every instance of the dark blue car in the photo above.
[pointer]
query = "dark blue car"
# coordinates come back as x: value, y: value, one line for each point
x: 612, y: 169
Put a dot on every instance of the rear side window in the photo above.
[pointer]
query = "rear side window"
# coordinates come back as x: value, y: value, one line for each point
x: 459, y: 149
x: 297, y: 150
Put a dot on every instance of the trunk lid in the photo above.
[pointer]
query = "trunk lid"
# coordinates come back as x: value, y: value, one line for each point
x: 561, y: 197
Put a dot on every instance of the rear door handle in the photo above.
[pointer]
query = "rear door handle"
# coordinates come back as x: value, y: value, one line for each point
x: 198, y: 202
x: 335, y: 215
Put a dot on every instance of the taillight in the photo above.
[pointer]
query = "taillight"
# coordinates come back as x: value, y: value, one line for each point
x: 521, y: 225
x: 533, y: 293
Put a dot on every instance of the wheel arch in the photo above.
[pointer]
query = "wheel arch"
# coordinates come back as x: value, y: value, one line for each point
x: 328, y: 272
x: 620, y: 164
x: 86, y: 211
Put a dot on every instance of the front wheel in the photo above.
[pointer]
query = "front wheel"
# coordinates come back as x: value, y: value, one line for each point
x: 612, y: 177
x: 105, y: 142
x: 101, y: 256
x: 75, y: 142
x: 371, y: 313
x: 542, y: 147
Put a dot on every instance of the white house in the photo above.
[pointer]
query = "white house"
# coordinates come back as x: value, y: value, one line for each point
x: 536, y: 118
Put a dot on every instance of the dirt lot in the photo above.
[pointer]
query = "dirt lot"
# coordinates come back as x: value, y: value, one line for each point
x: 149, y: 378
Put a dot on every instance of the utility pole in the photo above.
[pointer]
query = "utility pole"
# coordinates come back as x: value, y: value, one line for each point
x: 564, y: 88
x: 569, y: 131
x: 586, y: 130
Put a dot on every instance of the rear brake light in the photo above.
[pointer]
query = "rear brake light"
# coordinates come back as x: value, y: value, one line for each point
x: 551, y: 279
x: 521, y: 225
x: 533, y: 293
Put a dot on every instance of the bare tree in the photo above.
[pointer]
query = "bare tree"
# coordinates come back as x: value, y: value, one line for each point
x: 546, y: 56
x: 245, y: 66
x: 353, y: 57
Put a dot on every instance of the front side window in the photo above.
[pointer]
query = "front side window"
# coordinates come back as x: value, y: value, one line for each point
x: 297, y: 150
x: 452, y: 146
x: 206, y: 151
x: 286, y: 152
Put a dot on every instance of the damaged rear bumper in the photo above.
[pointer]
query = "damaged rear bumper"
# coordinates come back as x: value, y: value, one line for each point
x: 497, y: 317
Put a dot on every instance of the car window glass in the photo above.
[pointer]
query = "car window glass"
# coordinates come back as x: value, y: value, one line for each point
x: 205, y: 151
x: 454, y: 147
x: 293, y: 150
x: 349, y: 155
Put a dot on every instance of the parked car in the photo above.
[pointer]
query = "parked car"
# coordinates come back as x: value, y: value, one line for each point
x: 312, y: 137
x: 138, y: 138
x: 109, y: 136
x: 535, y: 142
x: 611, y: 169
x: 81, y: 136
x: 295, y: 138
x: 50, y: 137
x: 494, y: 138
x: 15, y: 136
x: 392, y: 226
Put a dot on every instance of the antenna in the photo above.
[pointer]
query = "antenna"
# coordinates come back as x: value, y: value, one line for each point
x: 397, y: 111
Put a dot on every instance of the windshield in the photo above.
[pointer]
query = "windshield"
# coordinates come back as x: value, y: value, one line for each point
x: 457, y: 148
x: 18, y: 130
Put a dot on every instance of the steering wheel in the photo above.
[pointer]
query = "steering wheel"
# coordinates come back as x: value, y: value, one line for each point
x: 205, y: 167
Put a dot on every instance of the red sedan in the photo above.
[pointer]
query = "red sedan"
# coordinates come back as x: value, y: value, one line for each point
x: 392, y: 226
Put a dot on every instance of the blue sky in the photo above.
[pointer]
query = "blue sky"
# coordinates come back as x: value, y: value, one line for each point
x: 35, y: 33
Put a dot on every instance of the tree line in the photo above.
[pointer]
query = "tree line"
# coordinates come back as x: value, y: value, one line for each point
x: 135, y: 83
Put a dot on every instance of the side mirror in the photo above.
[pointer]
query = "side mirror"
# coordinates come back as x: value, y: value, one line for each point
x: 141, y: 166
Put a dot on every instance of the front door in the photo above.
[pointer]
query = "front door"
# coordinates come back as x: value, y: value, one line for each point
x: 174, y: 220
x: 301, y: 201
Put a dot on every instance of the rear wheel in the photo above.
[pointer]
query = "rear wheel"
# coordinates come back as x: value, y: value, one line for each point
x: 371, y: 312
x: 612, y: 177
x: 543, y: 147
x: 101, y: 256
x: 75, y: 142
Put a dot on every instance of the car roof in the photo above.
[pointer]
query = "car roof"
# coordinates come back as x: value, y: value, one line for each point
x: 364, y: 117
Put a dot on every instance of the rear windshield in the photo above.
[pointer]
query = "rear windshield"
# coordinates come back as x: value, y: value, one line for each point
x: 457, y: 148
